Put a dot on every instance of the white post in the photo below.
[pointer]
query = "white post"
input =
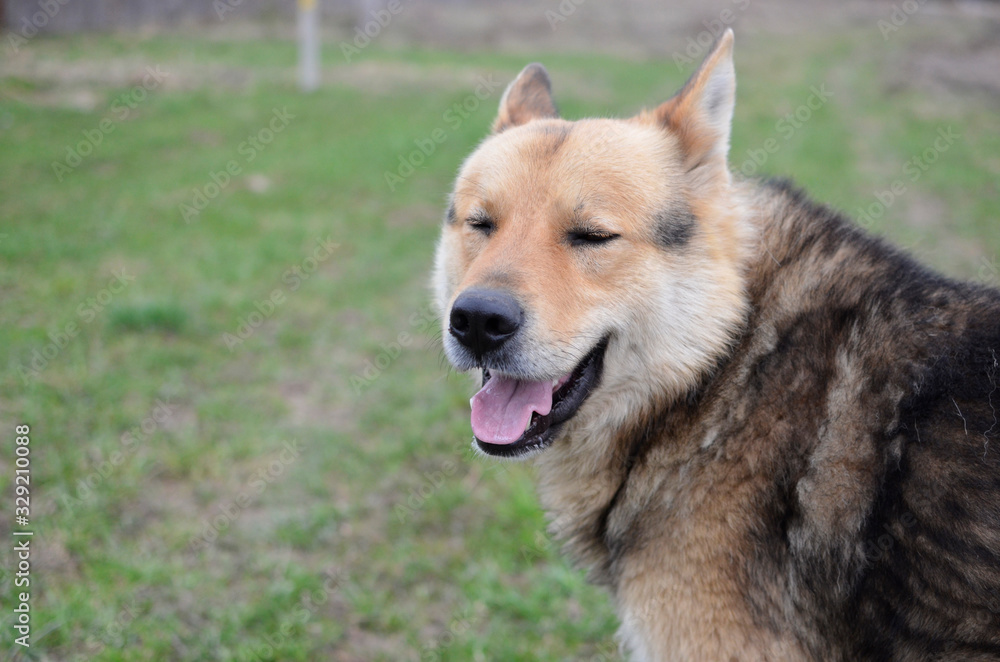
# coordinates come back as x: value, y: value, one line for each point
x: 308, y: 45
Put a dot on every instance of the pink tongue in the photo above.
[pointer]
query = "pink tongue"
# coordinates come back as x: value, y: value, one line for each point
x: 502, y: 409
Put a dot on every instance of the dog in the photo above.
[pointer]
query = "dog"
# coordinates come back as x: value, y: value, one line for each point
x: 771, y: 435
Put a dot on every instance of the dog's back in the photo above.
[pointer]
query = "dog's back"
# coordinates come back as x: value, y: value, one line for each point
x: 900, y: 497
x: 858, y: 414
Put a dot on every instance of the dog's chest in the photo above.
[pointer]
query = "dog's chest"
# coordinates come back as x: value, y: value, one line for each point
x: 677, y: 579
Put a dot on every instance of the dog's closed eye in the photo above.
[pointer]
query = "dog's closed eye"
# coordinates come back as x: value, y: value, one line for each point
x: 590, y: 236
x: 482, y: 223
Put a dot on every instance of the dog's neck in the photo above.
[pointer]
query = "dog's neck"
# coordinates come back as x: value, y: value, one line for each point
x: 581, y: 477
x: 582, y: 474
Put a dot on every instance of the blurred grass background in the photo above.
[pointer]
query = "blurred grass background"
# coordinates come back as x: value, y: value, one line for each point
x: 251, y: 447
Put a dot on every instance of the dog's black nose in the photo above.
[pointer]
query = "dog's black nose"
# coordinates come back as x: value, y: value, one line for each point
x: 483, y: 320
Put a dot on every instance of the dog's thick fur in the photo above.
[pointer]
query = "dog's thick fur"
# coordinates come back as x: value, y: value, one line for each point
x: 793, y: 452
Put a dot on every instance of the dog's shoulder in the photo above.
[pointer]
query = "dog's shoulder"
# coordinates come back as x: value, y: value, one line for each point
x: 869, y: 384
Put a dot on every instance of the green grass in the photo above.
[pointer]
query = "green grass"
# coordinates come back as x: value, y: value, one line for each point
x: 168, y: 524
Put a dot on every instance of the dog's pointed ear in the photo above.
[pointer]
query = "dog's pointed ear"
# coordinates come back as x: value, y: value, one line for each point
x: 701, y: 114
x: 528, y: 97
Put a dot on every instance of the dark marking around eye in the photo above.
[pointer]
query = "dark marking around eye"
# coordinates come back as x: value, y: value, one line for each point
x: 674, y: 226
x: 452, y: 217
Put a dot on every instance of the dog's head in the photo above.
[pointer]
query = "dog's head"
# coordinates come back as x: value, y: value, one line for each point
x: 591, y: 267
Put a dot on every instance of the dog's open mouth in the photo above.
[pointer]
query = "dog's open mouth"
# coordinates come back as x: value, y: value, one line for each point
x: 513, y: 416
